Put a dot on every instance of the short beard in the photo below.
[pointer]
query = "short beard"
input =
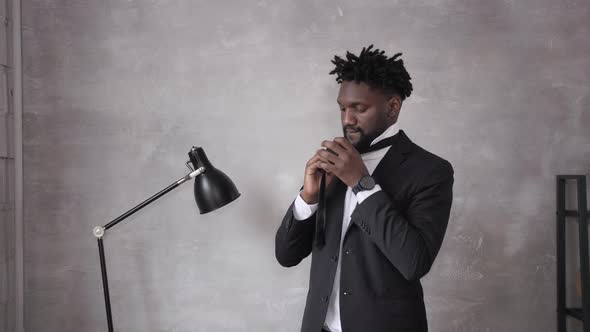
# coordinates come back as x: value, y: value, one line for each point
x: 364, y: 140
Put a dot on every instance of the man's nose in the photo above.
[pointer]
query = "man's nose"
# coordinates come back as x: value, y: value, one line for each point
x: 348, y: 118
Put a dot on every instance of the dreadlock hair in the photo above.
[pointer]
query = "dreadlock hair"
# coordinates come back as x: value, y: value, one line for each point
x: 376, y: 70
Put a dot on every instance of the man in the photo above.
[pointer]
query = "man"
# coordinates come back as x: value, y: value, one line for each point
x: 386, y: 209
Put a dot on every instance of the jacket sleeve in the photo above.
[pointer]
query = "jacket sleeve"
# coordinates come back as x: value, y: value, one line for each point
x: 410, y: 240
x: 294, y: 239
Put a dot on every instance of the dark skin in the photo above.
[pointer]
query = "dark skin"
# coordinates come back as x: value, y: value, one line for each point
x: 365, y: 113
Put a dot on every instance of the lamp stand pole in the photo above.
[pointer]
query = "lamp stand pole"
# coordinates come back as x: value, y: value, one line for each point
x: 99, y: 232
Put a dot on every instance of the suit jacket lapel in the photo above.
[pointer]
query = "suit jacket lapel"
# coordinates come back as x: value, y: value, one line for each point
x: 394, y: 157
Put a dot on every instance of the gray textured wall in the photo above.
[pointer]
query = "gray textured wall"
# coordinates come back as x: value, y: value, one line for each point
x: 116, y: 92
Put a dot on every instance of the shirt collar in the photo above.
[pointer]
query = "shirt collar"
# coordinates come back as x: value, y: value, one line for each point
x: 392, y: 130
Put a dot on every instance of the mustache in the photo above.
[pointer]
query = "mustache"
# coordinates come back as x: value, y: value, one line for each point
x: 352, y: 129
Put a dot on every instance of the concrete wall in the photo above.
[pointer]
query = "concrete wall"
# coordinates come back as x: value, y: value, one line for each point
x: 116, y: 92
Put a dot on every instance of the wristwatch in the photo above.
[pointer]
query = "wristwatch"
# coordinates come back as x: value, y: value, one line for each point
x: 365, y: 183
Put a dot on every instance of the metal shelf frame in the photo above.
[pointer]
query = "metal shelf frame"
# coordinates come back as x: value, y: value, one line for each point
x: 581, y: 216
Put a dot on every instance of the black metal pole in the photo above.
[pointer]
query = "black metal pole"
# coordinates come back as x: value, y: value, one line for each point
x: 583, y: 243
x: 105, y: 284
x: 99, y: 233
x: 560, y: 231
x: 141, y: 205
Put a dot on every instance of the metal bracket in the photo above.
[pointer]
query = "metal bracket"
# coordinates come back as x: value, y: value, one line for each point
x: 188, y: 164
x: 98, y: 232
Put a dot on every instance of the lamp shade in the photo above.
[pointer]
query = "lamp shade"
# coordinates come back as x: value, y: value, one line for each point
x: 213, y: 189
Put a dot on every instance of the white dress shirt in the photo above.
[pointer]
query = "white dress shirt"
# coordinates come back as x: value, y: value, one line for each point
x: 302, y: 211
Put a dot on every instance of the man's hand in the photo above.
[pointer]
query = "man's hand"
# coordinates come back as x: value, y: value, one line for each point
x: 345, y: 163
x: 311, y: 180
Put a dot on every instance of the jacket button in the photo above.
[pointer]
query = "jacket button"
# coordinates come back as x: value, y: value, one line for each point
x: 334, y: 259
x: 324, y: 298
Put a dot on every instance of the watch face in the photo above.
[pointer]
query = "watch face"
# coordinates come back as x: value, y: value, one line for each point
x: 367, y: 183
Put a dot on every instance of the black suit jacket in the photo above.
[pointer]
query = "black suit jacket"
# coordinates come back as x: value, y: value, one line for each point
x: 391, y: 242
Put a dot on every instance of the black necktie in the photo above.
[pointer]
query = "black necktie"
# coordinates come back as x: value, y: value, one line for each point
x: 320, y: 226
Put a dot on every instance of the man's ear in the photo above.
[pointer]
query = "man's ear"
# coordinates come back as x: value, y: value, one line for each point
x: 394, y: 104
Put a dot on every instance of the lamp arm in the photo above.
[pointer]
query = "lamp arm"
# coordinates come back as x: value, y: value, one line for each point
x: 100, y: 230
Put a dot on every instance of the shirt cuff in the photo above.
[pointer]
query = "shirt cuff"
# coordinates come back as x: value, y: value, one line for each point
x: 302, y: 210
x: 364, y: 194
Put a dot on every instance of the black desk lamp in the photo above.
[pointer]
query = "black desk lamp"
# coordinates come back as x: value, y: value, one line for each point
x: 213, y: 189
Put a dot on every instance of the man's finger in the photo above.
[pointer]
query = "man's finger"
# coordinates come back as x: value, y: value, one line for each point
x: 312, y: 164
x: 329, y: 168
x: 313, y: 160
x: 327, y: 156
x: 344, y: 143
x: 334, y: 146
